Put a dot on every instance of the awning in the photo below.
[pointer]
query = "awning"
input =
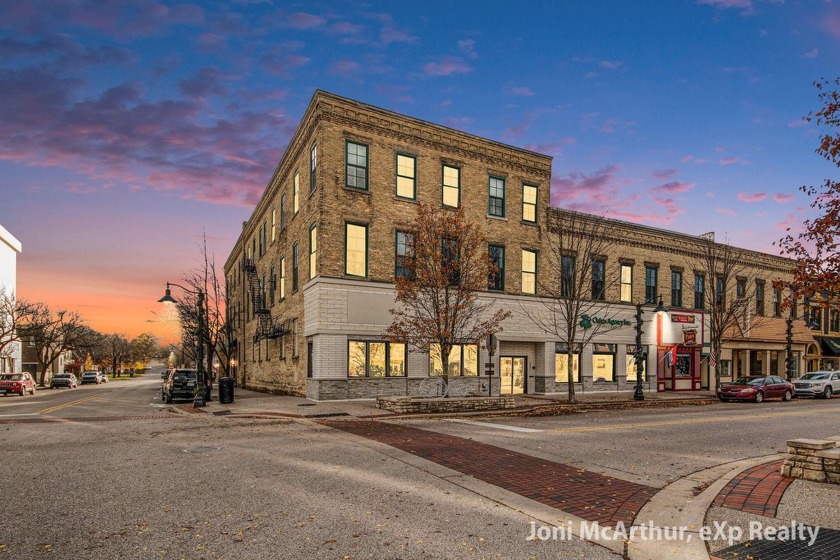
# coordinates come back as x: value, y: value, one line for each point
x: 829, y: 346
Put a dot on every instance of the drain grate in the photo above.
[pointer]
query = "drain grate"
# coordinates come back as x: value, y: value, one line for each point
x: 827, y: 545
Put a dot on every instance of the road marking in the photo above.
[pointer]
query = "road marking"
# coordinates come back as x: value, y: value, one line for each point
x: 498, y: 426
x: 704, y: 420
x: 58, y: 407
x: 18, y: 414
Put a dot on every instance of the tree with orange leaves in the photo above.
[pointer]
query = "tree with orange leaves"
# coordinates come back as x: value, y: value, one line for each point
x: 446, y: 266
x: 817, y: 247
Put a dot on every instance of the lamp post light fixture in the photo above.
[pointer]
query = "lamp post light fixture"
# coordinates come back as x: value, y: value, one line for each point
x: 639, y: 394
x: 202, y: 389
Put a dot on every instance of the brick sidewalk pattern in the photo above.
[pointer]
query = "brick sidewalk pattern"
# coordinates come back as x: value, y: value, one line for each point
x: 757, y: 490
x: 590, y: 496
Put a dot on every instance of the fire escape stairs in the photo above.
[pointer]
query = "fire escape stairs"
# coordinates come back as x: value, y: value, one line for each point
x: 267, y: 328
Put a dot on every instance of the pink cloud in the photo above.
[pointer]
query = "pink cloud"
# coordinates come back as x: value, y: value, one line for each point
x: 664, y: 174
x: 467, y: 46
x: 783, y: 198
x: 831, y: 24
x: 812, y: 54
x: 750, y: 198
x: 591, y: 188
x: 446, y: 66
x: 301, y: 20
x: 726, y: 211
x: 674, y: 187
x: 610, y: 64
x: 552, y: 148
x: 344, y: 67
x: 283, y: 65
x: 797, y: 123
x: 729, y: 160
x: 522, y: 91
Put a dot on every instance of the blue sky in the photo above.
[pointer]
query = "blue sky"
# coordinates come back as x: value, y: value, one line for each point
x: 131, y: 128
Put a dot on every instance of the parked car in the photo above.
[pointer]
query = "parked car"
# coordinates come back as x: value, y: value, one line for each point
x: 179, y: 384
x: 19, y: 383
x: 818, y: 384
x: 103, y: 378
x: 64, y: 380
x: 91, y: 377
x: 166, y: 373
x: 756, y: 388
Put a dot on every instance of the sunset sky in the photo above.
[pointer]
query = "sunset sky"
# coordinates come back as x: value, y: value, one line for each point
x: 130, y: 128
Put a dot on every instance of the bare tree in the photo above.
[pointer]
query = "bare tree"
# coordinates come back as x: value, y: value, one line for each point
x: 142, y: 348
x: 117, y: 351
x: 13, y: 315
x: 575, y: 284
x: 88, y: 343
x: 447, y: 266
x: 729, y: 300
x: 53, y: 334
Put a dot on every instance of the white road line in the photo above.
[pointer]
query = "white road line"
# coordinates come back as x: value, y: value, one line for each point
x: 497, y: 426
x: 19, y: 414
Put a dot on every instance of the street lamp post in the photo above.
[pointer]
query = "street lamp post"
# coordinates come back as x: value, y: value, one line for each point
x: 639, y: 394
x: 202, y: 389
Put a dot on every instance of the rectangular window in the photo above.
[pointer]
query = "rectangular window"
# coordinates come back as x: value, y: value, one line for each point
x: 834, y: 321
x: 794, y: 310
x: 295, y: 267
x: 496, y: 279
x: 450, y: 260
x: 282, y: 212
x: 598, y: 279
x: 676, y: 288
x: 759, y: 298
x: 296, y: 194
x: 603, y: 362
x: 313, y: 167
x: 273, y: 224
x: 650, y: 284
x: 355, y: 255
x: 282, y: 278
x: 262, y: 237
x: 777, y: 303
x: 626, y: 283
x: 463, y: 360
x: 561, y: 363
x: 720, y: 291
x: 313, y: 251
x: 567, y: 276
x: 496, y: 204
x: 402, y: 254
x: 529, y: 203
x: 375, y: 359
x: 630, y: 367
x: 451, y: 186
x: 272, y: 283
x: 699, y: 291
x: 529, y: 272
x: 740, y: 288
x: 406, y: 176
x: 356, y: 164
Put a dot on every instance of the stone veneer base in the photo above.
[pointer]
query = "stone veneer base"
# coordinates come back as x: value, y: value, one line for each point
x: 408, y: 405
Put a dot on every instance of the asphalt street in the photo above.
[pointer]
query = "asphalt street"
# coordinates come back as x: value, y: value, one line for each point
x: 109, y: 471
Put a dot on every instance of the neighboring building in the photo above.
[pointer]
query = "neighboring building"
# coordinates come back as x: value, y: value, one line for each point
x: 310, y: 280
x: 9, y: 249
x: 824, y: 322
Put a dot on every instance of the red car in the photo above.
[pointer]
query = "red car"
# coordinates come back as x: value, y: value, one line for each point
x: 19, y: 383
x: 756, y: 388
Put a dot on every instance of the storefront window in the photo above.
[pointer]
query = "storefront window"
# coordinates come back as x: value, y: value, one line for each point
x: 561, y: 363
x: 630, y: 367
x: 603, y: 362
x: 463, y: 360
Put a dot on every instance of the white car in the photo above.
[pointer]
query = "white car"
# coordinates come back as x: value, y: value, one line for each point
x: 817, y: 384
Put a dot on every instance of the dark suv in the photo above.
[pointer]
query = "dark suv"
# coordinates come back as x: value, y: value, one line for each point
x: 179, y: 384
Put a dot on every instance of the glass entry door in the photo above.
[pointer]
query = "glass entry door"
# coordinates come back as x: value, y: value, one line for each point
x: 514, y: 373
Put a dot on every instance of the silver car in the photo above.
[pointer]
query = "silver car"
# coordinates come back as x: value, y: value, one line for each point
x: 817, y: 384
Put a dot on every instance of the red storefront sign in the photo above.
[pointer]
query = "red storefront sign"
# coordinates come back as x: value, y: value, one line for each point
x: 682, y: 318
x: 690, y: 337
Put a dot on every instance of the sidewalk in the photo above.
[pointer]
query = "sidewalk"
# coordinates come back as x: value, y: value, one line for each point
x: 254, y: 403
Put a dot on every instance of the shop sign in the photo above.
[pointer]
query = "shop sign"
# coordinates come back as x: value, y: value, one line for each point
x: 690, y: 336
x: 682, y: 318
x: 586, y: 321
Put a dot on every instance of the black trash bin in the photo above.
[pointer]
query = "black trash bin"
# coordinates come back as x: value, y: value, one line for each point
x: 225, y: 390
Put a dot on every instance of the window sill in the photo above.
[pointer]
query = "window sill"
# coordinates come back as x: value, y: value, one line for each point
x: 500, y: 218
x: 527, y: 223
x: 357, y: 190
x: 404, y: 199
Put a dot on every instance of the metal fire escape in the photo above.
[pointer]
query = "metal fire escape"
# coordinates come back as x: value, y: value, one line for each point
x: 267, y: 328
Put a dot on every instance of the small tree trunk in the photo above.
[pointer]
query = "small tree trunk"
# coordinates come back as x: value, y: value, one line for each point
x: 570, y: 376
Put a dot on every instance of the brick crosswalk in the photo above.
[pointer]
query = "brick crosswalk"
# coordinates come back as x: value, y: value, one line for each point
x: 757, y: 490
x: 590, y: 496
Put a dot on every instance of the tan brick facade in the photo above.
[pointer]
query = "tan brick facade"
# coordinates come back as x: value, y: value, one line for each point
x: 332, y: 308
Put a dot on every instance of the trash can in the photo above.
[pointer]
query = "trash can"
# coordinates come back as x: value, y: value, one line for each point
x: 225, y: 390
